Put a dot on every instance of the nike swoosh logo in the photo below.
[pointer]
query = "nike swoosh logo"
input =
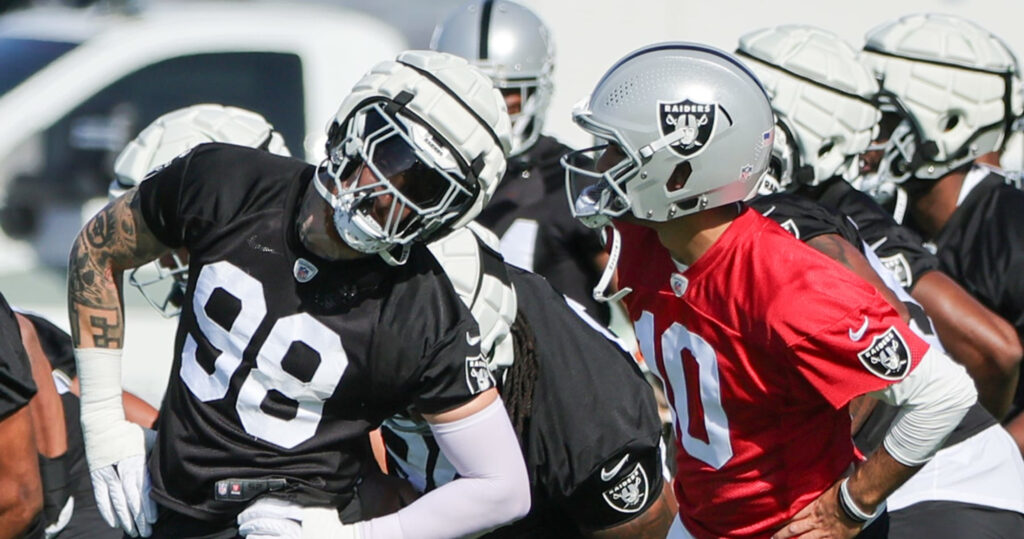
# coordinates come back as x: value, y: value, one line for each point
x: 607, y: 475
x: 472, y: 341
x: 859, y: 334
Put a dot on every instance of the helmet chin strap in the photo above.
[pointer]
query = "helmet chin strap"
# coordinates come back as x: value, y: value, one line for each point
x: 609, y: 269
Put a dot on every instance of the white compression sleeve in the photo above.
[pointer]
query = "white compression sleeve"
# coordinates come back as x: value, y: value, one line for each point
x: 493, y: 487
x: 933, y: 399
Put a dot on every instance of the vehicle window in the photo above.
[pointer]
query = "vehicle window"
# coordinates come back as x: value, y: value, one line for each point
x: 20, y: 58
x: 84, y: 143
x: 72, y: 161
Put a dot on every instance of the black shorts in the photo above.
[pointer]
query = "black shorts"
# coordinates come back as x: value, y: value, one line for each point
x: 173, y: 525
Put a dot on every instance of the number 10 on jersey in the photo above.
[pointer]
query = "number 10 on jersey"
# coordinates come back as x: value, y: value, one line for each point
x: 690, y: 375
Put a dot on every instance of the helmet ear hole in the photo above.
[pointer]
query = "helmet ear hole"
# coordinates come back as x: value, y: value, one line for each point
x: 951, y: 122
x: 826, y: 148
x: 680, y: 176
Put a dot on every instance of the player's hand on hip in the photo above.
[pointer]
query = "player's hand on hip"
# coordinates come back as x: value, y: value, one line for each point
x: 115, y: 449
x: 121, y: 486
x: 821, y: 519
x: 272, y: 518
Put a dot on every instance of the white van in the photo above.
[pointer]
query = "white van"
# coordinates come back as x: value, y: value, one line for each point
x: 76, y: 85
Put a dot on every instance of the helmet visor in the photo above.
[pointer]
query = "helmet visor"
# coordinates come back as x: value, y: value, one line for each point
x: 396, y: 174
x: 594, y: 181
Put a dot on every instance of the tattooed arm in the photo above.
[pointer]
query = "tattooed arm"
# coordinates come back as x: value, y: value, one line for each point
x: 114, y: 240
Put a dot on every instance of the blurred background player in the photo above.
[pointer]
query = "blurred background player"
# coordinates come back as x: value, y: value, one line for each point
x: 978, y: 477
x: 511, y: 44
x: 162, y: 283
x: 969, y: 212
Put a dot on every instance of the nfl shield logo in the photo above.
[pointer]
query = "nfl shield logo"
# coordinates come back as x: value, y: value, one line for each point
x: 692, y: 122
x: 304, y: 270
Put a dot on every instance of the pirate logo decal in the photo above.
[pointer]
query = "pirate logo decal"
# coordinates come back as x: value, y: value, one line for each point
x: 690, y: 124
x: 888, y: 356
x: 629, y: 494
x: 478, y: 376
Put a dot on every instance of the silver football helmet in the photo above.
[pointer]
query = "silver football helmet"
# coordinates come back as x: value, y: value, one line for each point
x: 822, y: 97
x: 511, y: 45
x: 416, y: 150
x: 169, y: 136
x: 953, y: 86
x: 681, y: 111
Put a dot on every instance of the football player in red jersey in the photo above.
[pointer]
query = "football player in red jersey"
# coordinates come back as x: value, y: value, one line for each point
x: 760, y: 341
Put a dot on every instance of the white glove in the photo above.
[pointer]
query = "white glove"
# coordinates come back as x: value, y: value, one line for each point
x: 114, y: 448
x: 272, y: 518
x: 63, y: 518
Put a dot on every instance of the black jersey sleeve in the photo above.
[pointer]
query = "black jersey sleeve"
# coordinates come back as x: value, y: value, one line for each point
x: 804, y: 218
x: 208, y: 187
x: 427, y: 345
x: 592, y: 440
x: 16, y: 384
x: 899, y: 248
x: 621, y: 489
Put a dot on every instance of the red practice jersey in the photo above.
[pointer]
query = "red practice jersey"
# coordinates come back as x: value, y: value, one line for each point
x: 760, y: 344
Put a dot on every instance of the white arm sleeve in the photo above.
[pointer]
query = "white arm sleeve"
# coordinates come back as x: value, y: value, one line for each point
x: 933, y: 399
x: 493, y: 488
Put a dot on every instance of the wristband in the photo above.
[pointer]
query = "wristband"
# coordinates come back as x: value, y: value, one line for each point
x: 850, y: 508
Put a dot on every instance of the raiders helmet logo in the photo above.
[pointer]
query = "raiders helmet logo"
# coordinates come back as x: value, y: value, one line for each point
x: 693, y: 122
x: 897, y: 264
x: 887, y: 357
x: 478, y: 376
x: 630, y: 494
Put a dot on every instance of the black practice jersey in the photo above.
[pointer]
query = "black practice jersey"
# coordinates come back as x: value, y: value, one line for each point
x: 285, y: 361
x: 591, y: 442
x: 899, y: 248
x: 804, y: 218
x: 530, y: 214
x: 16, y: 384
x: 982, y: 248
x: 67, y: 476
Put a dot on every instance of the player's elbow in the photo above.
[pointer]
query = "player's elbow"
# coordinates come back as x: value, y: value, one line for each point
x: 1005, y: 355
x: 511, y: 501
x: 21, y: 499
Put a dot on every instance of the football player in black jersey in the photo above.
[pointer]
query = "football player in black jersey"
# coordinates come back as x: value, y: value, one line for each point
x: 294, y: 341
x: 564, y: 499
x: 69, y: 508
x: 511, y: 44
x: 584, y: 415
x: 811, y: 147
x: 968, y: 211
x: 21, y: 492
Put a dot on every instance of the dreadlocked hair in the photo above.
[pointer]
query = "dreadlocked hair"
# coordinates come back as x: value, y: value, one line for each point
x: 522, y: 376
